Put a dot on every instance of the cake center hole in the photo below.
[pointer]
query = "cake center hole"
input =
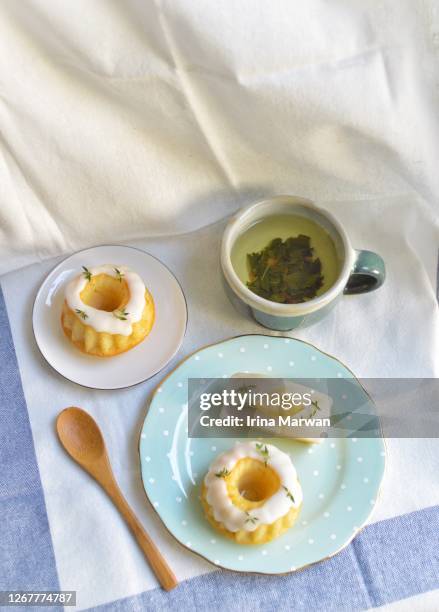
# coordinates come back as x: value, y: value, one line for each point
x: 106, y: 293
x: 258, y: 482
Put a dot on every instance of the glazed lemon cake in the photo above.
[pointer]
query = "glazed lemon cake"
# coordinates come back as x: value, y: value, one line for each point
x: 251, y: 493
x: 107, y: 310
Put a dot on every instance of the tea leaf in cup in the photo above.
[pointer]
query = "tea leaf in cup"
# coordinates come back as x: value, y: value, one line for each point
x: 285, y: 271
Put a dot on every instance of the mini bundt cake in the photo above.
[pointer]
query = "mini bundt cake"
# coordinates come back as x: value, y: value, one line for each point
x: 251, y: 493
x: 107, y: 310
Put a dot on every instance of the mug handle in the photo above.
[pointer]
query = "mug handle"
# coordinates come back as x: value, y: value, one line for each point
x: 368, y: 273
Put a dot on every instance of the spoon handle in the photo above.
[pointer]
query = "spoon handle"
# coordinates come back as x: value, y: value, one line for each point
x: 161, y: 569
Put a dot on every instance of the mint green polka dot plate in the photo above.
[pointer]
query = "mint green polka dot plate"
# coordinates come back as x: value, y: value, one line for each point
x: 340, y: 477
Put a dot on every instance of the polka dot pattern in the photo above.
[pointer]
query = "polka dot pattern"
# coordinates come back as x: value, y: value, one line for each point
x: 338, y: 477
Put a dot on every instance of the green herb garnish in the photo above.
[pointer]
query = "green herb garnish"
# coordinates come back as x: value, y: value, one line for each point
x: 121, y: 314
x: 285, y: 271
x: 223, y: 473
x: 289, y: 494
x: 263, y: 450
x: 81, y: 313
x: 251, y: 519
x: 86, y: 273
x: 315, y: 409
x: 119, y: 274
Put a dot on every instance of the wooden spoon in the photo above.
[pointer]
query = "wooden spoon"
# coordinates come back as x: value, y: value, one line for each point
x: 83, y: 440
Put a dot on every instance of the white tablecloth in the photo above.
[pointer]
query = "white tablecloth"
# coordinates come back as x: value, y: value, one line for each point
x: 146, y: 118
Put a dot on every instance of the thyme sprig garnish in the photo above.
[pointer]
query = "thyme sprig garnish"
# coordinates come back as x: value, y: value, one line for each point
x: 251, y: 519
x: 263, y: 451
x: 222, y: 473
x: 121, y: 314
x: 314, y: 403
x: 289, y: 494
x: 87, y: 273
x: 81, y: 313
x: 119, y: 274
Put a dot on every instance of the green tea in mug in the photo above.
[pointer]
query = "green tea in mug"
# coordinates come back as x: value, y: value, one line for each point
x: 286, y: 259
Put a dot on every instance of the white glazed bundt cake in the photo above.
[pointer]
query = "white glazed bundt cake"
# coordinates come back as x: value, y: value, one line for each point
x: 107, y: 310
x: 251, y: 493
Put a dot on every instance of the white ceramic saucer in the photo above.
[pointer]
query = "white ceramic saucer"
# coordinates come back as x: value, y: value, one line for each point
x: 134, y: 366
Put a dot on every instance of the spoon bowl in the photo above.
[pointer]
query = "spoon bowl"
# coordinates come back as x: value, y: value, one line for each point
x: 80, y: 435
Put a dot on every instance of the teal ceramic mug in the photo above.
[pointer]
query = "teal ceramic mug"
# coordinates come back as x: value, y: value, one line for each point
x: 358, y: 271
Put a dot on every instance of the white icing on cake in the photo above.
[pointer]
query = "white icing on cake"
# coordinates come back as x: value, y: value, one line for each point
x: 101, y: 320
x: 233, y: 518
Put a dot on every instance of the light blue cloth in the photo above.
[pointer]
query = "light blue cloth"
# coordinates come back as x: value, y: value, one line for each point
x: 387, y: 561
x: 26, y: 552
